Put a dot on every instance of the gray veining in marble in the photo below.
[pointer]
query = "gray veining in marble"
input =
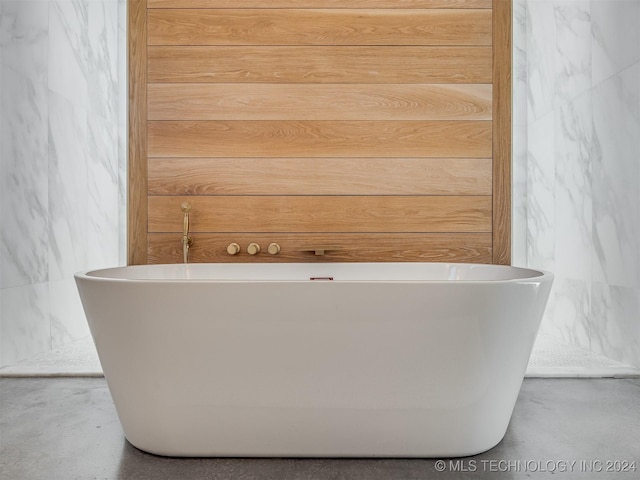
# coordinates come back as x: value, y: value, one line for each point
x: 24, y: 38
x: 583, y: 167
x: 102, y: 226
x: 69, y: 51
x: 572, y: 59
x: 541, y: 179
x: 68, y: 322
x: 616, y: 157
x: 24, y: 194
x: 615, y: 328
x: 573, y: 196
x: 68, y: 187
x: 61, y: 130
x: 615, y: 37
x: 102, y: 18
x: 541, y: 45
x: 25, y: 323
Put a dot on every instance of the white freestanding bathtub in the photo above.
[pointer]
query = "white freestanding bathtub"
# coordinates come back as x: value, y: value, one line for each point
x: 384, y: 359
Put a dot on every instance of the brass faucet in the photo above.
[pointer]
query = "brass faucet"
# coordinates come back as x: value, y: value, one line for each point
x: 186, y: 239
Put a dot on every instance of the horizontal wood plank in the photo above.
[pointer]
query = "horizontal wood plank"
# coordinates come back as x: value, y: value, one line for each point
x: 323, y: 214
x: 314, y: 64
x: 315, y: 3
x: 467, y: 139
x: 179, y: 101
x: 372, y: 247
x: 319, y: 27
x: 320, y: 176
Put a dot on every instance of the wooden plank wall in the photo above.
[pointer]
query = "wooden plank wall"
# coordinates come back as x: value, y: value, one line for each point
x: 367, y: 126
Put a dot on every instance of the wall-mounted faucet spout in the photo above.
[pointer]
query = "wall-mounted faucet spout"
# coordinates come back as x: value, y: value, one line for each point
x: 186, y: 239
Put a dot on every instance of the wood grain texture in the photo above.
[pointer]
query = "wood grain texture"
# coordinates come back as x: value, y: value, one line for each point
x: 320, y: 176
x: 137, y: 174
x: 371, y: 247
x: 323, y: 122
x: 313, y: 64
x: 179, y: 101
x: 502, y: 133
x: 315, y: 214
x: 319, y: 27
x: 323, y: 3
x: 467, y: 139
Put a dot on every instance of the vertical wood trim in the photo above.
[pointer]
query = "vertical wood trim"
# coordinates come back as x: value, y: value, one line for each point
x: 502, y: 132
x: 137, y: 174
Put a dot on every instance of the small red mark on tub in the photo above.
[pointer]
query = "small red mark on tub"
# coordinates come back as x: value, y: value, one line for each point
x: 320, y: 278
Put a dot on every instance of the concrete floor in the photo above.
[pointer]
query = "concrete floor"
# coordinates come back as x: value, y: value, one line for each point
x: 67, y: 428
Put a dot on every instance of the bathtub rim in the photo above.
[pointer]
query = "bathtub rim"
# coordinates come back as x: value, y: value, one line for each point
x: 535, y: 275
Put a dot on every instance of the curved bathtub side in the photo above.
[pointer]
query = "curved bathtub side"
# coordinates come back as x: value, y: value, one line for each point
x: 314, y: 368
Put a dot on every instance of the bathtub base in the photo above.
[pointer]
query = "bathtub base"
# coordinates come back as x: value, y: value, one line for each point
x: 260, y: 432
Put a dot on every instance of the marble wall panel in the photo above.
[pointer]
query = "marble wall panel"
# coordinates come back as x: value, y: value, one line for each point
x: 61, y: 142
x: 69, y: 51
x: 572, y: 55
x: 573, y: 195
x: 25, y: 322
x: 615, y: 322
x: 583, y: 168
x: 541, y: 205
x: 24, y: 193
x: 615, y: 36
x: 66, y: 316
x: 68, y: 155
x: 616, y: 174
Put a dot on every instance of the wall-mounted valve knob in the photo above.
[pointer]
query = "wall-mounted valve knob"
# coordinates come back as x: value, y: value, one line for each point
x: 273, y: 248
x: 253, y: 249
x: 233, y: 249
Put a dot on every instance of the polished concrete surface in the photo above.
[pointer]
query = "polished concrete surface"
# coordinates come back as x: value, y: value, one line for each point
x: 67, y: 428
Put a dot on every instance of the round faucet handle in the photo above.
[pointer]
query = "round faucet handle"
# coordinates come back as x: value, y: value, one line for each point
x: 273, y: 249
x: 233, y: 248
x: 253, y: 248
